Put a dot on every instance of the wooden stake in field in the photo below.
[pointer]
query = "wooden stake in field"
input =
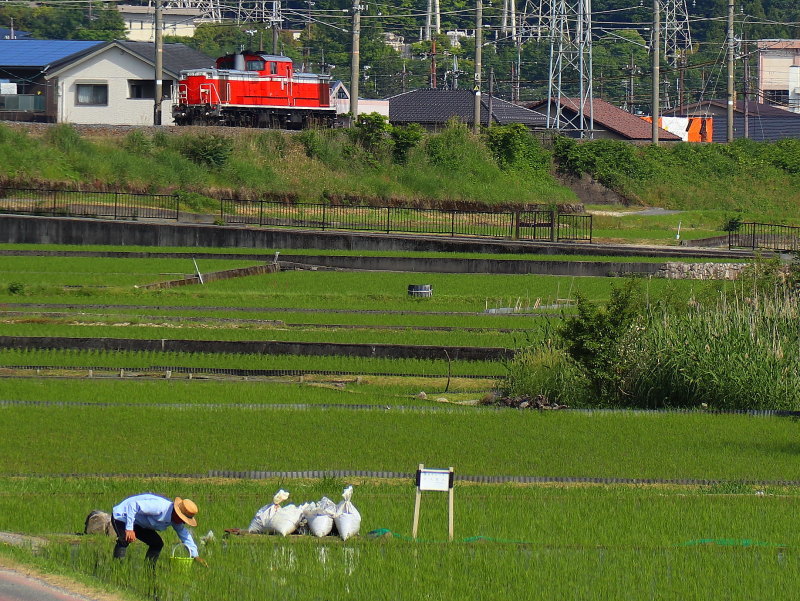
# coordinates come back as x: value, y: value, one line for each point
x: 437, y: 480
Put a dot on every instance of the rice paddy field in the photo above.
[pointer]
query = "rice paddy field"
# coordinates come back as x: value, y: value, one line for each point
x: 551, y: 505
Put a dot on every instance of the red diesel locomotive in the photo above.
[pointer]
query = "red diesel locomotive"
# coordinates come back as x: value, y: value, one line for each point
x: 252, y: 89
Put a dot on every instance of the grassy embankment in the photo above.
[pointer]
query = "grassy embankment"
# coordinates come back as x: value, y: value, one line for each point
x: 712, y: 185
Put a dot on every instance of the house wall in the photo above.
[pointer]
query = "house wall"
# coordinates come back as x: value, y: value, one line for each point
x: 778, y: 63
x: 139, y: 23
x: 114, y: 68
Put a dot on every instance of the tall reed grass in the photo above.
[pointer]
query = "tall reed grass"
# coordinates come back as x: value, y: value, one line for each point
x: 740, y: 351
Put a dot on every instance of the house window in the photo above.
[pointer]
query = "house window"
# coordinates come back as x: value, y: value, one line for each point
x: 146, y: 88
x: 778, y: 97
x: 92, y: 94
x: 341, y: 94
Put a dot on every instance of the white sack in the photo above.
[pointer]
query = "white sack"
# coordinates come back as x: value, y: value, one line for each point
x: 261, y: 523
x: 286, y: 520
x: 320, y: 517
x: 347, y: 518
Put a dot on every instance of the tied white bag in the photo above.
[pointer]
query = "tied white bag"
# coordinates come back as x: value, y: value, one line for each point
x: 347, y: 518
x: 320, y: 517
x: 286, y: 520
x: 263, y: 518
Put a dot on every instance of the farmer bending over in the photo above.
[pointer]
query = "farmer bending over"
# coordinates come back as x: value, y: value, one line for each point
x: 140, y: 516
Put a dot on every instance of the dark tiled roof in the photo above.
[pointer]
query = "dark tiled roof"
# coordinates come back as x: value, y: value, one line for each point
x: 754, y: 108
x: 429, y: 106
x: 40, y: 53
x: 614, y: 119
x: 176, y: 56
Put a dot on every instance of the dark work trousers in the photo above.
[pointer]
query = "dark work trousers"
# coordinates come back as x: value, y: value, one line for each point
x: 149, y: 537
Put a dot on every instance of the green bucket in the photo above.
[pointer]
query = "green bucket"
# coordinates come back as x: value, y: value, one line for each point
x: 180, y: 562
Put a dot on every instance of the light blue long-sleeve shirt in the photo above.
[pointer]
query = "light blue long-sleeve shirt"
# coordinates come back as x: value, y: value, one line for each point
x: 155, y: 513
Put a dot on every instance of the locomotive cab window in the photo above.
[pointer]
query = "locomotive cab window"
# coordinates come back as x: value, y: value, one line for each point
x: 255, y: 65
x: 91, y: 94
x: 273, y: 68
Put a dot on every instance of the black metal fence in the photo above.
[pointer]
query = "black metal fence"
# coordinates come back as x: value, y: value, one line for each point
x: 519, y: 225
x: 766, y: 236
x: 82, y: 203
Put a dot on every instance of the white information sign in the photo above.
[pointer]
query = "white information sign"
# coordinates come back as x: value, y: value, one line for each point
x: 435, y: 480
x: 431, y: 479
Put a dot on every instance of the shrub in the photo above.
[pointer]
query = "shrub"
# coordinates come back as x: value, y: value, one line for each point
x: 592, y: 337
x: 137, y: 143
x: 66, y: 138
x: 513, y: 147
x: 548, y: 372
x: 371, y: 132
x: 405, y: 138
x: 209, y: 150
x: 16, y: 288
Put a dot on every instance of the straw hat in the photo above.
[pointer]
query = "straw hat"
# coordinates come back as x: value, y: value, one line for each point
x: 186, y: 510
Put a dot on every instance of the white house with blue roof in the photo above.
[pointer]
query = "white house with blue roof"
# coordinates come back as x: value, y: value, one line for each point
x: 69, y: 81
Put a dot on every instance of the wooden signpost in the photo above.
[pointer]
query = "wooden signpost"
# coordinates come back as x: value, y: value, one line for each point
x: 437, y: 480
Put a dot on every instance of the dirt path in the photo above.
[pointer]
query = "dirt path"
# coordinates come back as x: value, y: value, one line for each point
x: 19, y: 582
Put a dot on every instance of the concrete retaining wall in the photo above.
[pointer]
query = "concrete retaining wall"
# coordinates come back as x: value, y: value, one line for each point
x: 494, y: 266
x: 701, y: 271
x: 214, y: 276
x: 27, y: 229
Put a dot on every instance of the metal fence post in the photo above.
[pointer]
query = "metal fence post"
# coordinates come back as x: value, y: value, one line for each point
x: 116, y: 202
x: 388, y: 219
x: 515, y: 225
x: 177, y: 207
x: 260, y: 212
x: 553, y: 226
x: 324, y: 215
x: 452, y: 224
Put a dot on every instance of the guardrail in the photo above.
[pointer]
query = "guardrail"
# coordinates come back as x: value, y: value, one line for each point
x: 765, y: 236
x: 542, y: 225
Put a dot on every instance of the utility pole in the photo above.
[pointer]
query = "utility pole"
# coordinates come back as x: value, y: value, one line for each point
x: 476, y: 115
x: 433, y: 63
x: 491, y: 93
x: 746, y: 93
x: 632, y: 69
x: 731, y: 89
x: 275, y: 23
x: 428, y: 17
x: 159, y: 64
x: 355, y: 67
x: 656, y: 56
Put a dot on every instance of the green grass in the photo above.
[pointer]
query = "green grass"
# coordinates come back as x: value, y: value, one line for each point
x: 630, y: 543
x: 143, y: 360
x: 94, y: 271
x: 52, y: 440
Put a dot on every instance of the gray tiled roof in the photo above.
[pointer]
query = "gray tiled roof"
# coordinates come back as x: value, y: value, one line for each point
x: 433, y: 106
x: 176, y: 56
x: 753, y: 107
